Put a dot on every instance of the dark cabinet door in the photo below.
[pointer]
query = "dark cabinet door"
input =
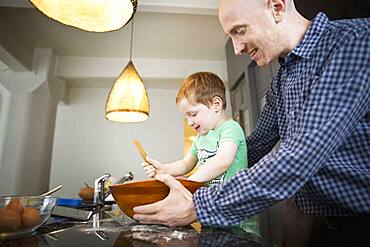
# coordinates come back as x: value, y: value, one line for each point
x: 334, y: 9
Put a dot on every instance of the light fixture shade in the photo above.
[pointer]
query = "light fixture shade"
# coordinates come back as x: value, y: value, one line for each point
x: 89, y: 15
x: 128, y: 100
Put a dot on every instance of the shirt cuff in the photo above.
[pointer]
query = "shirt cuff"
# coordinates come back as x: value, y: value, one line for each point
x: 201, y: 201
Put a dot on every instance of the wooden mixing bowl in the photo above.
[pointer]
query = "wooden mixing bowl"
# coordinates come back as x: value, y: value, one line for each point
x: 136, y: 193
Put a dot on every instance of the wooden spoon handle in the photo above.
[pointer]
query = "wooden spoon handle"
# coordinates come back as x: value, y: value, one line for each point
x: 140, y: 149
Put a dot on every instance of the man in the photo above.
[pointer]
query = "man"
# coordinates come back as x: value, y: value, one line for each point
x: 317, y: 106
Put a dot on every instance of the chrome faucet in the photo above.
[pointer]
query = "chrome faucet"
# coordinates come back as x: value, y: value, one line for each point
x: 99, y: 186
x: 99, y: 197
x: 99, y: 194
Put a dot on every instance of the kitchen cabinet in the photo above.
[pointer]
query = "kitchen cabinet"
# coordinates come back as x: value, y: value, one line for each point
x: 334, y: 9
x: 248, y: 84
x: 242, y: 88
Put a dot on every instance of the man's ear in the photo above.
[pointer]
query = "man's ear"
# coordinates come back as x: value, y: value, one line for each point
x: 278, y: 8
x: 217, y: 103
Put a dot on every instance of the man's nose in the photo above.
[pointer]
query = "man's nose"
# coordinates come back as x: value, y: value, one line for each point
x: 238, y: 47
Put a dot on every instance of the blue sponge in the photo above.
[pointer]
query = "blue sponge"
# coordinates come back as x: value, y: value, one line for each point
x: 69, y: 202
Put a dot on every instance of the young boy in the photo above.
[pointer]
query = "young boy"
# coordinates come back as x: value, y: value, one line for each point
x: 219, y: 150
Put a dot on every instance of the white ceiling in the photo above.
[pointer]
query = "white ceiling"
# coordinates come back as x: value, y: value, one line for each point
x: 163, y: 29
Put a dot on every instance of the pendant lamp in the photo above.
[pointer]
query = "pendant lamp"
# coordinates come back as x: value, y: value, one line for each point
x: 89, y: 15
x: 128, y: 99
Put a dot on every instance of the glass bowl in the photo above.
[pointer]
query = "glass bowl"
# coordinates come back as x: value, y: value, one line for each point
x: 21, y: 215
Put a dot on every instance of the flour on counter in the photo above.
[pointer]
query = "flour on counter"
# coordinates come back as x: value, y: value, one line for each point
x: 159, y: 233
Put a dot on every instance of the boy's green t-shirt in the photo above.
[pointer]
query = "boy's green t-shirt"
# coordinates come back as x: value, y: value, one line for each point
x: 206, y: 146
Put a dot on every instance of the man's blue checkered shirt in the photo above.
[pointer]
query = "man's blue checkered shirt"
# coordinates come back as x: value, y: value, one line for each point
x: 318, y: 107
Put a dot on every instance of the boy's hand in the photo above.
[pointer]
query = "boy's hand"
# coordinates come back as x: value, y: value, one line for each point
x: 151, y: 167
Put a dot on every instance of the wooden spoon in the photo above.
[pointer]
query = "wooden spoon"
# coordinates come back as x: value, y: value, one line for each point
x: 140, y: 149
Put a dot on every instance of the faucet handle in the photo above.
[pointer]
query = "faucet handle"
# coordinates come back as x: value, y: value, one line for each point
x: 127, y: 177
x: 99, y: 188
x: 101, y: 179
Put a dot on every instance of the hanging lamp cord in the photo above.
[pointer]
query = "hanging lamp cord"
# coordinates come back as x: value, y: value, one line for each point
x: 132, y: 34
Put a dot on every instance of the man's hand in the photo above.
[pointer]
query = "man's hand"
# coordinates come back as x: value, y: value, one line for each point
x: 177, y: 209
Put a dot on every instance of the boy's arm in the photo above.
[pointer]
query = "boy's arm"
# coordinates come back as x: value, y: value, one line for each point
x: 177, y: 168
x: 218, y: 164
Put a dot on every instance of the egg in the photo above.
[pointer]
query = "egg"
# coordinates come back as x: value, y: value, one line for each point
x: 10, y: 220
x: 30, y: 217
x: 15, y: 204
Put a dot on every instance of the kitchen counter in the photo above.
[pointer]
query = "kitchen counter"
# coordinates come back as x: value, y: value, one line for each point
x: 119, y: 230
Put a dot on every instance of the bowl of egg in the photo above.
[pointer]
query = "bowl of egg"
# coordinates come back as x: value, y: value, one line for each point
x: 21, y: 215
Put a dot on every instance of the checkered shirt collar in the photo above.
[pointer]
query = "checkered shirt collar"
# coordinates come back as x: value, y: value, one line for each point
x: 310, y: 39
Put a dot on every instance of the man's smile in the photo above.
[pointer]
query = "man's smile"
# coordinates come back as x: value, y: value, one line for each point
x: 252, y: 53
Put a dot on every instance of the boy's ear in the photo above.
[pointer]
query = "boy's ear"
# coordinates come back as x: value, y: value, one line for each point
x: 217, y: 103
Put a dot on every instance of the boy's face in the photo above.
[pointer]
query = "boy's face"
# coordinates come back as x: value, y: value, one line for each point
x: 201, y: 118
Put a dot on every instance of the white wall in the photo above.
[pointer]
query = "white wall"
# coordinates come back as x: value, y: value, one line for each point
x: 26, y: 126
x: 86, y: 145
x: 25, y: 157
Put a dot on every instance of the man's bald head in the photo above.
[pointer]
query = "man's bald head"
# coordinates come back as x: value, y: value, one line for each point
x: 263, y: 29
x: 254, y: 6
x: 238, y: 5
